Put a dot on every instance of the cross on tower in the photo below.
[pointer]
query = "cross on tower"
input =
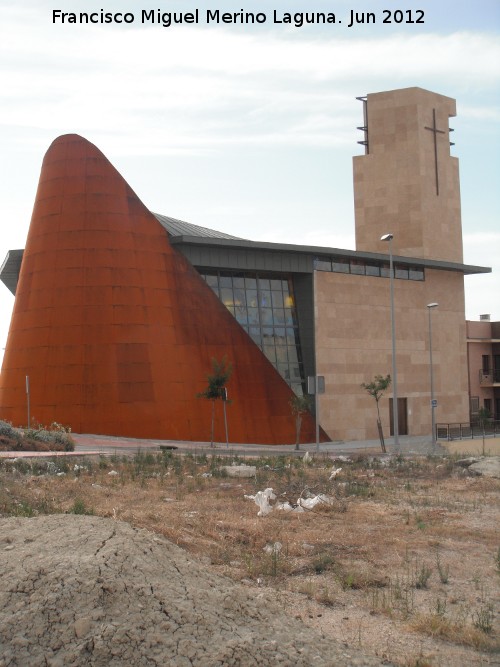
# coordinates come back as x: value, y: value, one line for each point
x: 435, y: 131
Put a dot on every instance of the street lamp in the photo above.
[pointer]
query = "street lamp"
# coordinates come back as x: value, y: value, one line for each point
x: 430, y: 306
x: 395, y: 415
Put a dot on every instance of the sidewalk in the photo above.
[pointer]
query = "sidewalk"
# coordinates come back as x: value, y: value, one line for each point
x: 128, y: 446
x: 107, y: 445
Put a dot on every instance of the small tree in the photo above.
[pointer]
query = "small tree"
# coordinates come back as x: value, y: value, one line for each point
x: 376, y: 388
x: 484, y: 416
x: 216, y: 388
x: 300, y: 405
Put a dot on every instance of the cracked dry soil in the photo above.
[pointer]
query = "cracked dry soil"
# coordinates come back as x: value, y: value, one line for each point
x: 83, y: 590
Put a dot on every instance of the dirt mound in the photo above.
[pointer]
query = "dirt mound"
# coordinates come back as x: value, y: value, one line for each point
x: 81, y: 590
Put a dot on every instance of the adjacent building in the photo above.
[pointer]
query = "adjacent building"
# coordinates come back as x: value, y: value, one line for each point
x: 118, y: 311
x: 483, y: 355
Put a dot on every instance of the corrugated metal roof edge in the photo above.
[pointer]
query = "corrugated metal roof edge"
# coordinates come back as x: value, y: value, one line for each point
x: 319, y: 251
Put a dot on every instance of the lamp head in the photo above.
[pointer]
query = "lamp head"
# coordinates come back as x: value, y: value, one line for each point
x: 432, y: 305
x: 387, y: 237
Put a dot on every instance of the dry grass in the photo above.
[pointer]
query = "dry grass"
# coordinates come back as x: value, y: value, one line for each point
x: 405, y: 562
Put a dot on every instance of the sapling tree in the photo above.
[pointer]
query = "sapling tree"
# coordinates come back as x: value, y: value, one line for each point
x: 299, y: 405
x: 216, y: 387
x: 376, y: 388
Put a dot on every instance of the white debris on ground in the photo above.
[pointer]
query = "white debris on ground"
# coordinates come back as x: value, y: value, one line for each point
x: 262, y: 498
x: 334, y: 472
x: 307, y: 458
x: 274, y: 548
x: 240, y: 470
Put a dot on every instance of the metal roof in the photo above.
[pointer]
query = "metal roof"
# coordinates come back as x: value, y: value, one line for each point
x: 176, y: 227
x: 9, y: 271
x: 185, y: 234
x: 322, y: 252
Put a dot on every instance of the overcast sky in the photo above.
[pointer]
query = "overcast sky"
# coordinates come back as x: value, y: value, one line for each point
x: 247, y: 129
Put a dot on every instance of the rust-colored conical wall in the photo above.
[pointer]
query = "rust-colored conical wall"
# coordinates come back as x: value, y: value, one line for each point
x: 116, y: 330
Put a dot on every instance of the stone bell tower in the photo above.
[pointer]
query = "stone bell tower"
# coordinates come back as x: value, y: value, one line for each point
x: 407, y: 183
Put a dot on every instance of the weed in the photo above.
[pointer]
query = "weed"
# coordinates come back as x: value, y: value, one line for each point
x: 440, y: 608
x: 24, y: 508
x: 322, y: 562
x: 349, y: 580
x: 497, y: 560
x: 421, y: 525
x: 422, y: 575
x: 482, y: 619
x: 79, y: 507
x: 443, y: 570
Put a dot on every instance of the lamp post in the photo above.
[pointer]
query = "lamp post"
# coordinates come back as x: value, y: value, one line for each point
x: 430, y: 306
x: 395, y: 416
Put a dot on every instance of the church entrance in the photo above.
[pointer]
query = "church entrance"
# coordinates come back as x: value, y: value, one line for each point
x: 402, y: 416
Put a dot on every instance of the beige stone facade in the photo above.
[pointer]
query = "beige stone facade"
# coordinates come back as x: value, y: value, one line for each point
x: 398, y: 190
x: 353, y: 344
x: 407, y: 183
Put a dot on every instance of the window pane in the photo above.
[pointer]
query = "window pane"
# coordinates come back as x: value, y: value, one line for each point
x: 402, y: 272
x: 266, y: 315
x: 289, y: 318
x: 264, y: 283
x: 340, y: 265
x: 323, y: 265
x: 281, y: 354
x: 211, y: 279
x: 280, y: 336
x: 255, y: 335
x: 276, y: 284
x: 372, y: 270
x: 292, y: 354
x: 277, y: 298
x: 252, y: 298
x: 384, y: 271
x: 279, y: 316
x: 250, y: 282
x: 238, y: 281
x: 225, y: 280
x: 265, y: 298
x: 241, y: 315
x: 270, y: 352
x: 357, y: 267
x: 253, y: 316
x: 239, y: 297
x: 416, y: 273
x: 284, y: 371
x: 226, y: 296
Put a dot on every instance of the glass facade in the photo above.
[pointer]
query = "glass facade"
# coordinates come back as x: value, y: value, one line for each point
x: 264, y: 305
x: 362, y: 267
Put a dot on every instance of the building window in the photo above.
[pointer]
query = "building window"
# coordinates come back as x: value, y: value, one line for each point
x: 415, y: 273
x: 401, y: 272
x: 340, y: 265
x: 361, y: 267
x: 486, y: 364
x: 264, y: 305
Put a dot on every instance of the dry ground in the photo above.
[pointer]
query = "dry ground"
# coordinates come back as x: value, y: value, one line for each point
x: 405, y: 564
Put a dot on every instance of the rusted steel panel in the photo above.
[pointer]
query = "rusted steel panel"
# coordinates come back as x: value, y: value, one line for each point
x: 116, y: 329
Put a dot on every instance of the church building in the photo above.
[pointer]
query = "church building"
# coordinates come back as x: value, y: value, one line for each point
x: 119, y: 312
